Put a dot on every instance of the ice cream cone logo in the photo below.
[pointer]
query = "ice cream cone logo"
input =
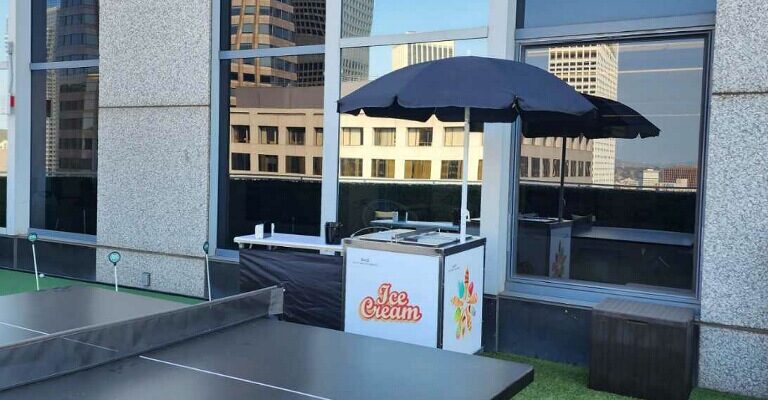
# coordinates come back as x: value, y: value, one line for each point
x: 465, y: 302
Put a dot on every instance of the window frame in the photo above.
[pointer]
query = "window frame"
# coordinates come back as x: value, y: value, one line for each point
x: 580, y: 292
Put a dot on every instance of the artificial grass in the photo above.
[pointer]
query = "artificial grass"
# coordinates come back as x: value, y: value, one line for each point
x: 19, y: 281
x: 561, y: 381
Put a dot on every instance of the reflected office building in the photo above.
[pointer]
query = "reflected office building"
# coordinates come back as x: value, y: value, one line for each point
x: 591, y: 69
x: 65, y: 128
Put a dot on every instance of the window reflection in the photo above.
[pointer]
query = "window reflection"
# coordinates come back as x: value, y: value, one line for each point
x: 274, y: 173
x: 3, y: 121
x: 64, y: 150
x: 277, y: 23
x: 384, y: 17
x: 391, y: 165
x: 629, y: 204
x: 65, y: 30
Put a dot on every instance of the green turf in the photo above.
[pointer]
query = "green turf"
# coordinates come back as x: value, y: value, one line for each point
x: 17, y: 282
x: 561, y: 381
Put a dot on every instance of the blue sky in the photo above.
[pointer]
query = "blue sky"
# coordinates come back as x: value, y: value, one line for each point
x: 662, y: 81
x: 400, y: 16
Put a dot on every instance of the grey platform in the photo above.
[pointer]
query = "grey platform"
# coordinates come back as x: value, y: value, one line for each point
x: 264, y: 359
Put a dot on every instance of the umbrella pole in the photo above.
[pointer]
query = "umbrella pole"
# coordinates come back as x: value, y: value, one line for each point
x: 464, y: 213
x: 561, y: 197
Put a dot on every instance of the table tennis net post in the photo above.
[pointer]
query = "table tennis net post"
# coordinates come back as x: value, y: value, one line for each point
x: 57, y: 354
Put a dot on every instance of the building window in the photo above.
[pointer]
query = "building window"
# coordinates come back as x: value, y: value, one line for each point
x: 523, y: 167
x: 352, y: 136
x: 280, y: 98
x: 614, y: 232
x: 384, y: 137
x: 454, y: 136
x: 421, y: 137
x: 267, y: 163
x: 352, y: 167
x: 382, y: 168
x: 241, y: 134
x: 268, y: 135
x: 64, y: 142
x: 296, y: 136
x: 480, y: 170
x: 395, y: 159
x: 418, y: 169
x: 535, y: 167
x: 295, y: 165
x: 450, y: 169
x: 545, y: 167
x: 241, y: 161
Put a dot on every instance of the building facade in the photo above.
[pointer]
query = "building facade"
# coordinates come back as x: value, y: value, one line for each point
x: 153, y: 141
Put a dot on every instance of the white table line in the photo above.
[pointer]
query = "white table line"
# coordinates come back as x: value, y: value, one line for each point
x: 23, y: 328
x: 233, y: 378
x: 49, y: 334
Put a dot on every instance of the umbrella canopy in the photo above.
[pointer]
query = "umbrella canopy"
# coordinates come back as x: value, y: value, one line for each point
x: 494, y: 90
x: 472, y: 90
x: 611, y: 120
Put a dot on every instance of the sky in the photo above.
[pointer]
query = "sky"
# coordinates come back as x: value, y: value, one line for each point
x: 662, y: 80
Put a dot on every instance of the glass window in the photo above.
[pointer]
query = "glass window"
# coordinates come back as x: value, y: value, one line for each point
x: 65, y: 30
x: 268, y: 163
x: 454, y: 136
x: 370, y: 18
x: 401, y: 164
x: 64, y: 150
x: 352, y: 136
x: 4, y: 109
x: 450, y: 169
x: 418, y: 169
x: 351, y: 167
x: 279, y: 188
x: 241, y: 134
x: 296, y: 135
x: 280, y: 24
x: 295, y: 165
x: 241, y: 162
x: 538, y: 13
x: 268, y: 135
x: 535, y: 167
x: 420, y: 137
x: 629, y: 209
x: 382, y: 168
x: 384, y: 137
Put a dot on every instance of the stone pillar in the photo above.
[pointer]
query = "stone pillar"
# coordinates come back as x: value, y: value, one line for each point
x: 154, y: 130
x: 734, y: 265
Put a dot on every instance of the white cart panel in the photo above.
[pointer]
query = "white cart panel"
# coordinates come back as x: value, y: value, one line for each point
x: 392, y: 295
x: 463, y: 301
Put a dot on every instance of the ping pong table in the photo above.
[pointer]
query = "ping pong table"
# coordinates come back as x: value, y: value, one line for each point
x: 254, y: 358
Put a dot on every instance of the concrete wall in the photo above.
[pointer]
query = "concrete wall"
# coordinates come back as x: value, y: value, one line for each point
x: 154, y: 117
x: 734, y: 266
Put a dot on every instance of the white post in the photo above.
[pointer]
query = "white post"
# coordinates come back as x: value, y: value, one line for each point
x: 464, y: 179
x: 208, y: 276
x: 34, y: 261
x: 114, y: 265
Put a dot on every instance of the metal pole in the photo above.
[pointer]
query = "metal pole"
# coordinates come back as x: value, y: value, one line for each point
x: 114, y: 266
x: 208, y: 276
x: 34, y: 261
x: 561, y: 197
x: 464, y: 180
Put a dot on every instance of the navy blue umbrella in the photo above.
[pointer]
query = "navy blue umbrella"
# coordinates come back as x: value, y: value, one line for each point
x: 611, y: 120
x: 468, y: 89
